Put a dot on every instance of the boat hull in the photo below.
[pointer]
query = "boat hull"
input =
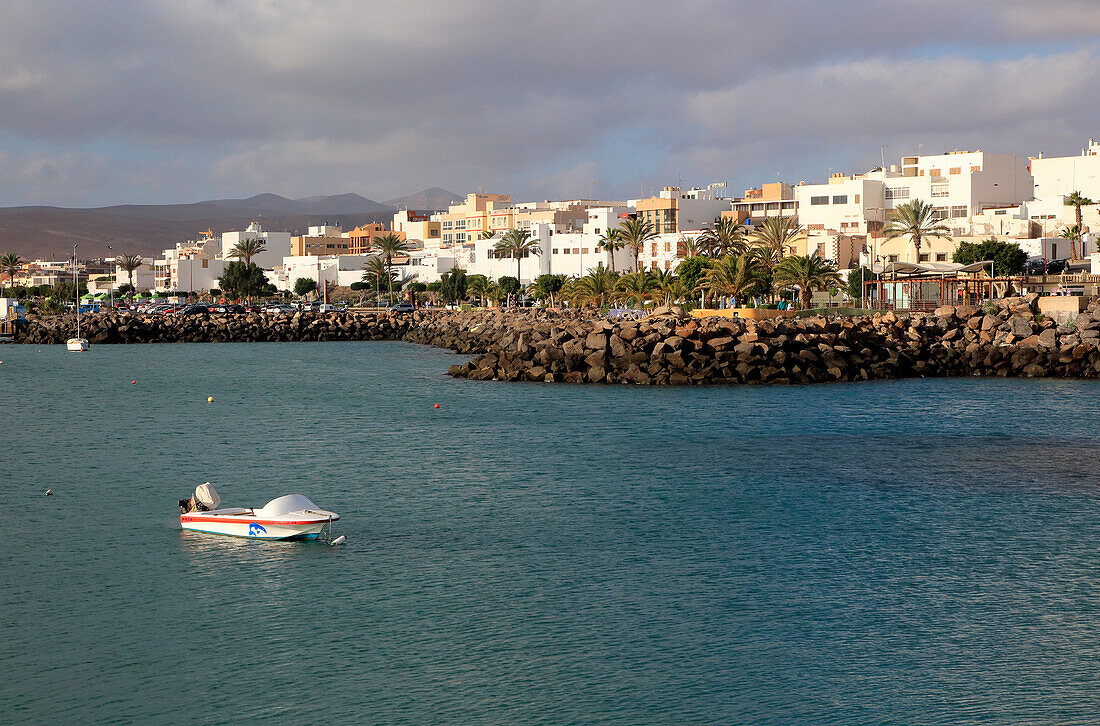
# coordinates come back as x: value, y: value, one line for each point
x: 76, y: 345
x: 253, y: 528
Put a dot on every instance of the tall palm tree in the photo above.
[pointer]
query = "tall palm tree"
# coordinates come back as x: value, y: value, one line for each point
x: 9, y: 265
x: 736, y: 276
x: 1076, y: 200
x: 129, y: 263
x: 726, y: 238
x: 246, y: 249
x: 596, y: 288
x: 809, y: 272
x: 487, y: 234
x: 635, y: 287
x: 517, y: 243
x: 611, y: 242
x: 916, y: 220
x: 388, y: 245
x: 775, y: 238
x: 635, y: 233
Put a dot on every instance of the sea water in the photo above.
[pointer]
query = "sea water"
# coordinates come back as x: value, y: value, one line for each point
x: 921, y: 551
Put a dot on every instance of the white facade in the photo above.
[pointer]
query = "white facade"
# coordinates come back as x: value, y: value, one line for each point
x: 340, y: 270
x: 845, y: 205
x: 277, y: 245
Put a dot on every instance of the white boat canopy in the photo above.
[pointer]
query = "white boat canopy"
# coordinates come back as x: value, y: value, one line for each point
x: 285, y: 505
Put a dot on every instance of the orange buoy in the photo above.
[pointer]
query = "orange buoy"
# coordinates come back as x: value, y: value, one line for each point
x: 133, y: 382
x: 437, y: 405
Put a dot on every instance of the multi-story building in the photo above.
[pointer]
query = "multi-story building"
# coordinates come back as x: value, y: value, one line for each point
x: 478, y: 214
x: 416, y: 227
x: 276, y: 245
x: 1056, y: 178
x: 192, y: 266
x: 774, y: 199
x: 675, y: 210
x: 320, y: 240
x: 361, y: 239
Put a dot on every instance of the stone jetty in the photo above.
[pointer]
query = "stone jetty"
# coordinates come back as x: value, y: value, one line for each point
x: 1007, y: 338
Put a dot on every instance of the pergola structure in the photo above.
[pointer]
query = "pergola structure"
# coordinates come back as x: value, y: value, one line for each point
x: 926, y: 286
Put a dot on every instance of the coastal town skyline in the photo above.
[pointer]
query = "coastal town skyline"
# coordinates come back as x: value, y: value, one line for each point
x: 175, y: 103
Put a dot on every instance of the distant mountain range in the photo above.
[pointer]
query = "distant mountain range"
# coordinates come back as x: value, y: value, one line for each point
x: 147, y: 229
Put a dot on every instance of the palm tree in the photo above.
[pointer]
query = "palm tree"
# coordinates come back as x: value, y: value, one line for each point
x: 487, y: 234
x: 611, y: 241
x: 1073, y: 234
x: 1076, y: 200
x: 775, y: 238
x: 517, y: 243
x: 735, y: 276
x: 667, y: 286
x: 388, y: 245
x: 635, y: 233
x: 246, y: 249
x: 916, y: 220
x: 634, y: 287
x: 129, y: 263
x: 9, y: 265
x: 689, y: 246
x: 809, y: 272
x: 375, y: 270
x: 726, y: 238
x: 479, y: 285
x: 595, y: 288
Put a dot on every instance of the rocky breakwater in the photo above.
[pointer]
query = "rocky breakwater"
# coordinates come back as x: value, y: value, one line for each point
x: 464, y: 332
x: 1008, y: 338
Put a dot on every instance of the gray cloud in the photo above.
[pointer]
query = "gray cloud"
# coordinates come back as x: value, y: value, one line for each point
x: 113, y: 101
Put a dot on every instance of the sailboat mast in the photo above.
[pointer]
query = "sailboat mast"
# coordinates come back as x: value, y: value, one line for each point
x: 76, y: 286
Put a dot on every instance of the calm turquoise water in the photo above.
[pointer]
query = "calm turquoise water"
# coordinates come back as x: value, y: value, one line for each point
x: 911, y: 552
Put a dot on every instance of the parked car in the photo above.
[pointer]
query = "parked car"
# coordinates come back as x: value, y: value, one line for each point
x: 1057, y: 267
x: 279, y: 309
x: 402, y: 307
x: 197, y: 309
x: 228, y: 309
x: 1036, y: 267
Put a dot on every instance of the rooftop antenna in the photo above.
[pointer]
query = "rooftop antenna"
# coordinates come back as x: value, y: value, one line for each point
x: 882, y: 155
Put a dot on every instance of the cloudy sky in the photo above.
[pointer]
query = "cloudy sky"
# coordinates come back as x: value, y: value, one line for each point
x: 163, y: 101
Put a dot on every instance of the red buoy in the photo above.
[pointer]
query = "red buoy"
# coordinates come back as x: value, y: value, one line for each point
x: 437, y: 405
x: 133, y: 382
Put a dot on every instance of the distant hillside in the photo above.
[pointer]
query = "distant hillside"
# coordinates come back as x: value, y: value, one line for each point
x: 429, y: 200
x: 148, y: 229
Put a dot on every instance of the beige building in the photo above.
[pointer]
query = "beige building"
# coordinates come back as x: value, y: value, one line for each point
x: 320, y: 240
x: 775, y: 199
x: 675, y: 210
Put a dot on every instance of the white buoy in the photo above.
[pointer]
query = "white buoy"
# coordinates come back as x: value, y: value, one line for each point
x: 340, y: 540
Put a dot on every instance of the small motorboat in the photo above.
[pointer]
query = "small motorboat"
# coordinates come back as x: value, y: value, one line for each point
x: 76, y: 345
x: 292, y: 516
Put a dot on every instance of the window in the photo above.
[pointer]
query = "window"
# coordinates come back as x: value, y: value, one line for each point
x: 654, y: 252
x: 840, y: 199
x: 975, y: 169
x: 958, y: 212
x: 813, y: 201
x: 584, y: 250
x: 935, y: 172
x: 941, y: 257
x: 206, y: 263
x: 924, y: 257
x: 939, y: 190
x: 939, y: 213
x: 897, y: 192
x: 597, y: 230
x: 857, y: 199
x: 892, y: 258
x: 1001, y: 211
x: 954, y: 170
x: 668, y: 247
x: 447, y: 224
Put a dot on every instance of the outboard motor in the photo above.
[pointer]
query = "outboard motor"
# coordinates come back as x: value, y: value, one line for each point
x: 204, y: 500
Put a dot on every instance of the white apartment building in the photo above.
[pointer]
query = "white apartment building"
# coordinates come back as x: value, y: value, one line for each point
x: 1058, y: 177
x: 341, y: 270
x: 276, y: 244
x: 191, y: 266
